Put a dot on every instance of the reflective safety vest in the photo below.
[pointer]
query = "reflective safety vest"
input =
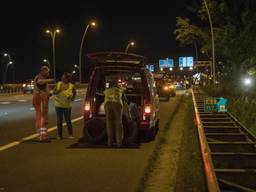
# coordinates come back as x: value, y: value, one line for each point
x: 65, y: 97
x: 113, y: 94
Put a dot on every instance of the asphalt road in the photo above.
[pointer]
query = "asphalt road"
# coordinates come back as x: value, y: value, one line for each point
x: 33, y: 166
x: 17, y: 115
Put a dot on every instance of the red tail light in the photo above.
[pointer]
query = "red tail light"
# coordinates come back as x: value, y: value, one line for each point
x: 147, y: 109
x: 166, y: 88
x: 87, y: 107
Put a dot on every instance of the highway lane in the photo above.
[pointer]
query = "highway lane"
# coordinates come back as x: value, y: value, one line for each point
x: 34, y: 166
x: 17, y: 116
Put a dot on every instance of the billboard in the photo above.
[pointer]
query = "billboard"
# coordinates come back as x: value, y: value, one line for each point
x: 151, y: 67
x: 186, y: 61
x: 166, y: 63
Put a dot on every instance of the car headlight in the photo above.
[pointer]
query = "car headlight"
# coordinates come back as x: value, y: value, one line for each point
x: 166, y: 88
x: 24, y: 85
x: 172, y: 87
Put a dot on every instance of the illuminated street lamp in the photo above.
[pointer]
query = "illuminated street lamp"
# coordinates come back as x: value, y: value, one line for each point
x: 247, y: 81
x: 45, y: 61
x: 53, y: 35
x: 90, y: 24
x: 181, y: 68
x: 130, y: 44
x: 7, y: 55
x: 8, y: 63
x: 6, y: 70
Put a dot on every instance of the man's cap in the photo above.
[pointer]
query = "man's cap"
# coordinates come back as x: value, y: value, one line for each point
x: 44, y: 68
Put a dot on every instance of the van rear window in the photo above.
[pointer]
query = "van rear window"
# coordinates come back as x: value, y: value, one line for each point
x: 130, y: 80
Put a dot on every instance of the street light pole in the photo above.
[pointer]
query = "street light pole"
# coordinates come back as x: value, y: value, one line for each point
x: 7, y: 66
x: 128, y: 46
x: 213, y: 44
x: 5, y: 74
x: 81, y: 49
x: 53, y: 36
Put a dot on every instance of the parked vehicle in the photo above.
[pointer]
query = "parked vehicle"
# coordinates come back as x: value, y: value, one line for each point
x: 140, y: 88
x: 28, y: 86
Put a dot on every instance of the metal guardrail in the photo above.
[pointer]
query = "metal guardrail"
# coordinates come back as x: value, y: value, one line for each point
x: 206, y: 152
x: 228, y: 149
x: 11, y: 91
x: 19, y: 89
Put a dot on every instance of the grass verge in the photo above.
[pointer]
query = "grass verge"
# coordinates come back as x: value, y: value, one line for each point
x: 190, y: 174
x: 155, y: 154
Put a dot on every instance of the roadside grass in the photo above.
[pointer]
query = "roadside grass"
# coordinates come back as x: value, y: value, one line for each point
x: 155, y: 154
x: 241, y: 106
x: 190, y: 174
x: 244, y: 109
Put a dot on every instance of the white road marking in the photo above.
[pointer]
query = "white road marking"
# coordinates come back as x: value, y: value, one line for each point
x: 32, y: 109
x: 15, y: 143
x: 78, y: 100
x: 22, y: 100
x: 3, y: 114
x: 5, y: 103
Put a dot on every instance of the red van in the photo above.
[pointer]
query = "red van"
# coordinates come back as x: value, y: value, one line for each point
x: 130, y: 70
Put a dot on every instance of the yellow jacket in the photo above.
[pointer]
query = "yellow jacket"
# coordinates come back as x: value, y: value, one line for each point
x: 65, y: 95
x: 114, y: 94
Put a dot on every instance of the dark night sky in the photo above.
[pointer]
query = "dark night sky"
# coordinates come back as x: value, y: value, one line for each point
x: 150, y: 25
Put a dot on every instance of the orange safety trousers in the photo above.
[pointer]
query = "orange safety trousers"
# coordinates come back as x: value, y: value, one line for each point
x: 40, y: 103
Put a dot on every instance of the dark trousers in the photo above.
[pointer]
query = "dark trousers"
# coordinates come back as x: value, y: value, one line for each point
x: 114, y: 122
x: 66, y: 112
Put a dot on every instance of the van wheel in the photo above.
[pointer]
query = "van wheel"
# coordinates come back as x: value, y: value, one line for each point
x: 95, y: 131
x: 149, y: 135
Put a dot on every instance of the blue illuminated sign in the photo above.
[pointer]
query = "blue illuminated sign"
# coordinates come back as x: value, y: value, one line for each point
x: 186, y: 61
x: 151, y: 67
x: 166, y: 63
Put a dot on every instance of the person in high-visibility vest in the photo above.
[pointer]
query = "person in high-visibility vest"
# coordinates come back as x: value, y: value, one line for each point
x: 64, y: 96
x: 113, y: 105
x: 40, y: 102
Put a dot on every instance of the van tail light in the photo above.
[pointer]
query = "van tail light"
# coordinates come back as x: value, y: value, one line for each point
x: 147, y: 109
x: 87, y: 107
x: 166, y: 88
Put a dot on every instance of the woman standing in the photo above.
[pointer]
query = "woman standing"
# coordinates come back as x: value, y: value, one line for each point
x: 64, y: 95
